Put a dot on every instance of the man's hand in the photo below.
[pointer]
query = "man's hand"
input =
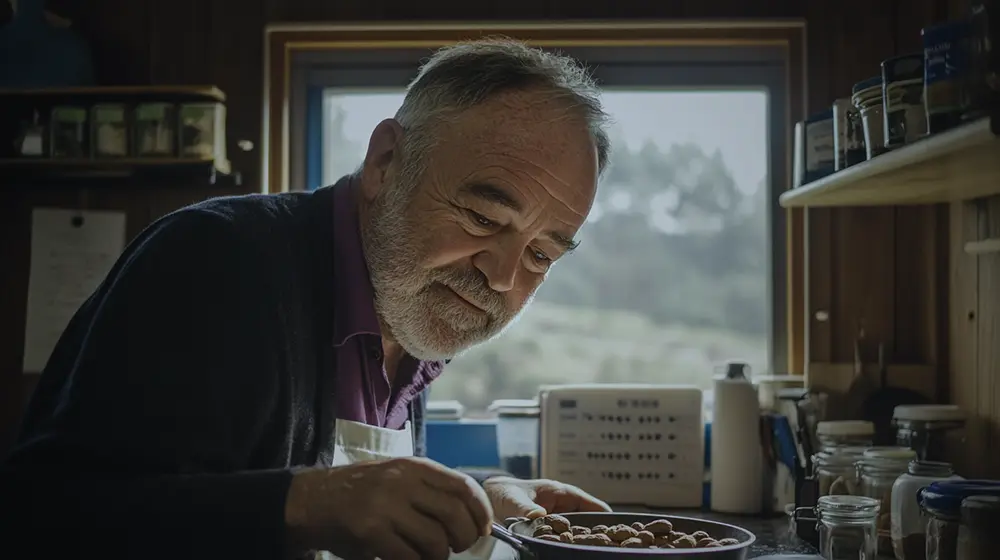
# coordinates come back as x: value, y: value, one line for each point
x: 400, y: 509
x: 512, y: 497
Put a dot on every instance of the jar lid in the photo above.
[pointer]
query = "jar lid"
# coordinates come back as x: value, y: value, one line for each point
x: 875, y: 81
x: 514, y: 407
x: 846, y: 505
x: 930, y: 468
x: 845, y: 428
x: 945, y: 496
x: 980, y: 502
x: 892, y: 453
x: 929, y: 412
x: 877, y: 459
x: 445, y: 410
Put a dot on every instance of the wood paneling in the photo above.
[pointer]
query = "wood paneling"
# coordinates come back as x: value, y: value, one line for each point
x: 974, y: 326
x: 859, y: 260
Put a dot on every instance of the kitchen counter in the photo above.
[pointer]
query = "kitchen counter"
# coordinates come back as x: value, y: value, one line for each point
x: 772, y: 533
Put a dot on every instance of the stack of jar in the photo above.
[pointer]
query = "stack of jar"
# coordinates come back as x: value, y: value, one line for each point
x: 842, y: 443
x: 962, y: 515
x: 879, y: 468
x: 859, y: 484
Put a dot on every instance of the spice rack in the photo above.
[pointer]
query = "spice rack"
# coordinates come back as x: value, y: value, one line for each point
x: 175, y: 133
x: 959, y: 164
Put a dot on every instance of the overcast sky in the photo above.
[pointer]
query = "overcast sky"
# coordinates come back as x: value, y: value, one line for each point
x: 734, y: 122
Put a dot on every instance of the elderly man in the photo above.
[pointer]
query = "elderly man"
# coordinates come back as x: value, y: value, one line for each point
x: 250, y: 378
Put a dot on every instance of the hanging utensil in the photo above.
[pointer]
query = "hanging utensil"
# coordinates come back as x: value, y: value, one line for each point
x: 879, y: 406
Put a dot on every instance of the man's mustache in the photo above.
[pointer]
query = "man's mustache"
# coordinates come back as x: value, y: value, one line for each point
x: 473, y: 285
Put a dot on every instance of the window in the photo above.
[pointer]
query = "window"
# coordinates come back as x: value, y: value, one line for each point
x: 683, y: 254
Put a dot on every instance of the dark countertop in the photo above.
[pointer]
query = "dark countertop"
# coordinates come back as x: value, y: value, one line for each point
x: 772, y: 532
x: 773, y: 536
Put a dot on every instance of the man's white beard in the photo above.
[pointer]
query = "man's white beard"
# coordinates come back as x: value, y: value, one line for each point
x: 408, y: 297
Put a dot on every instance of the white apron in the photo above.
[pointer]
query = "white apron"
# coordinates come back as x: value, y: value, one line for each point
x: 355, y: 442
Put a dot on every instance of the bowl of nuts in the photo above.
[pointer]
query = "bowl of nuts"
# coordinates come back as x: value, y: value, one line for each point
x: 579, y: 536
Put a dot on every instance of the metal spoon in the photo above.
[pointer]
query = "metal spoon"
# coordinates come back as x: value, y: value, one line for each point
x: 500, y: 533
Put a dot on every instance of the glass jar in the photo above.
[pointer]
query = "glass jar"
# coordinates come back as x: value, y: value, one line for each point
x: 517, y: 436
x: 980, y: 519
x: 878, y: 470
x: 846, y: 527
x: 909, y: 525
x: 867, y: 97
x: 835, y: 470
x: 942, y: 502
x: 922, y: 428
x: 845, y: 433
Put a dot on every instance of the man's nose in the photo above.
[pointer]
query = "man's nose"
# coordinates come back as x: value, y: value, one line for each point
x: 500, y: 267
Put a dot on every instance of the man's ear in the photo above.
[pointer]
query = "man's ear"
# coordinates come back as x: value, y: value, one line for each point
x: 383, y: 151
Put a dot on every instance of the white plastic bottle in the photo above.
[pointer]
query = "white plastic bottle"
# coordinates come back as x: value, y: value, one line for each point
x: 737, y: 457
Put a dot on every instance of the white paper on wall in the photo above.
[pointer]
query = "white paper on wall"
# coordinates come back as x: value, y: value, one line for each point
x: 71, y: 253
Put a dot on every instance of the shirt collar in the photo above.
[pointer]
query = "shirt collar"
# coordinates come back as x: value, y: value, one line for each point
x: 354, y: 297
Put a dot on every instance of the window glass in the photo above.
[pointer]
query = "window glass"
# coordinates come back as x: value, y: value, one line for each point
x: 671, y: 277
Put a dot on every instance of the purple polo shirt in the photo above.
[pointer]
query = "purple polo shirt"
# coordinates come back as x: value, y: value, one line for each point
x: 363, y: 390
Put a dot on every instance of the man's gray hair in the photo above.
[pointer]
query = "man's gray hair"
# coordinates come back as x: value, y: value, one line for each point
x: 459, y: 77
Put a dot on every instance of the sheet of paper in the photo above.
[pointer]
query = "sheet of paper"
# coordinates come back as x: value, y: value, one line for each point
x: 71, y: 253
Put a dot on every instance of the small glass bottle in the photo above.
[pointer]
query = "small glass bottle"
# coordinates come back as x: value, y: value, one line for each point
x: 909, y: 525
x: 878, y: 469
x: 847, y: 527
x: 980, y: 519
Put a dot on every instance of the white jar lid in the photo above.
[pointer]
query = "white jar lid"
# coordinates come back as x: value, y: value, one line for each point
x: 890, y: 453
x: 845, y: 428
x: 928, y: 412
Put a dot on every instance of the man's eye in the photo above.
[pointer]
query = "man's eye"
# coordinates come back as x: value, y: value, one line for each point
x: 540, y: 256
x: 481, y: 220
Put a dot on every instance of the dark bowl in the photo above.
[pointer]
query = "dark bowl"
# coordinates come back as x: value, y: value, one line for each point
x: 546, y: 550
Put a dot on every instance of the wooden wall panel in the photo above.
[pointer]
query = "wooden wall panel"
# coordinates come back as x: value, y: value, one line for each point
x: 974, y: 327
x: 221, y: 42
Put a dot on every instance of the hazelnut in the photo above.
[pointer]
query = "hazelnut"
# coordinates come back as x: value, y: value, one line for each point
x: 579, y: 530
x: 621, y: 533
x: 598, y: 539
x: 638, y: 526
x: 659, y: 527
x: 634, y: 542
x: 728, y: 542
x: 686, y: 541
x: 566, y: 537
x: 647, y: 538
x: 704, y: 542
x: 542, y: 530
x: 599, y: 529
x: 698, y: 535
x: 553, y: 538
x: 558, y: 523
x: 713, y: 544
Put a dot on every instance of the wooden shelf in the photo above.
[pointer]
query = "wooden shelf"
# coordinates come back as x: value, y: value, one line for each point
x: 959, y: 164
x: 203, y: 93
x: 55, y: 171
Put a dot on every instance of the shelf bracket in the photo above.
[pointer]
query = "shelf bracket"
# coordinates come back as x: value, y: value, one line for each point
x: 983, y: 247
